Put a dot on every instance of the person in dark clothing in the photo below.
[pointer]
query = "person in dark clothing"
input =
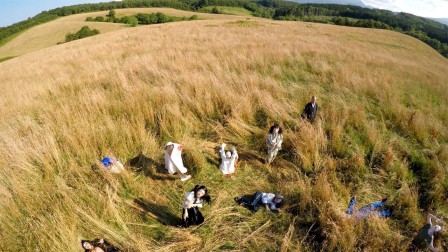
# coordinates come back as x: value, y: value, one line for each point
x: 425, y: 236
x: 310, y: 111
x: 98, y: 245
x: 192, y: 200
x: 271, y: 201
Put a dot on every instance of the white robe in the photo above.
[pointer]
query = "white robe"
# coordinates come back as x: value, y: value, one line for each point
x: 174, y: 162
x: 227, y: 164
x: 116, y: 167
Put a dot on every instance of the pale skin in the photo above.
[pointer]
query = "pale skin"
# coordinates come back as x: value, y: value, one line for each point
x: 276, y: 201
x: 90, y: 247
x: 187, y: 203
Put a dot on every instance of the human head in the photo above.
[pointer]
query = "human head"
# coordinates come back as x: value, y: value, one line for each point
x: 313, y: 99
x: 436, y: 228
x: 228, y: 154
x: 200, y: 191
x: 86, y: 244
x: 275, y: 129
x: 279, y: 200
x: 168, y: 144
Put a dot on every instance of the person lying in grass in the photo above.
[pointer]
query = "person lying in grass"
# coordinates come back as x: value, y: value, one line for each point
x: 425, y: 236
x: 274, y: 142
x: 112, y: 164
x: 271, y: 201
x: 229, y: 160
x: 375, y: 208
x: 190, y: 207
x: 98, y: 245
x: 173, y: 161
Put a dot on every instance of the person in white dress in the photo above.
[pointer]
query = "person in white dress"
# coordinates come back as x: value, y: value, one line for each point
x: 173, y: 161
x: 228, y: 160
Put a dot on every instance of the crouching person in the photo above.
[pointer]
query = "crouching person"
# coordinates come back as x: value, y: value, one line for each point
x: 270, y: 201
x: 192, y: 202
x: 229, y: 160
x: 173, y: 161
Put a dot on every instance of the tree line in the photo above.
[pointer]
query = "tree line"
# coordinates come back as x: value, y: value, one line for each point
x: 432, y: 33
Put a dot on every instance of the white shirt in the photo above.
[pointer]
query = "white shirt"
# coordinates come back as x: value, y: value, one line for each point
x: 190, y: 197
x: 267, y: 198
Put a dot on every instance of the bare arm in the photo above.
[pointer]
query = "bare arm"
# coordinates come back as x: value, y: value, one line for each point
x: 431, y: 216
x: 431, y: 246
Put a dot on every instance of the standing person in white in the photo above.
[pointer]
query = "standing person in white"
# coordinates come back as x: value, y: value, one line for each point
x: 173, y: 161
x: 274, y: 142
x: 228, y: 160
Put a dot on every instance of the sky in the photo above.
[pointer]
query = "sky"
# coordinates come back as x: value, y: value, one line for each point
x: 13, y: 11
x: 422, y: 8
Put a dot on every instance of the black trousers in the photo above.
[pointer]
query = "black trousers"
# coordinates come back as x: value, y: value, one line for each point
x: 194, y: 217
x: 253, y: 202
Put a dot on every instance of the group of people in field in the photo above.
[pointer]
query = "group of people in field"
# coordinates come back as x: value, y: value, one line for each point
x: 194, y: 199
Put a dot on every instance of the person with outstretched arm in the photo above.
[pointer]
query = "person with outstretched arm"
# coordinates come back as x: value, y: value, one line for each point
x: 425, y: 236
x: 375, y: 208
x: 228, y: 160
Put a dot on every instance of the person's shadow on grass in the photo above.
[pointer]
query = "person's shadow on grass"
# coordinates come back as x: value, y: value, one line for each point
x: 149, y: 167
x: 159, y: 212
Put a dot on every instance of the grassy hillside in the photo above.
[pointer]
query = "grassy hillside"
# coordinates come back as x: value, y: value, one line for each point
x: 49, y: 34
x: 381, y: 132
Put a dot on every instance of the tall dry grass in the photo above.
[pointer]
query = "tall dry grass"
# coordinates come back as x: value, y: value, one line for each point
x: 381, y: 132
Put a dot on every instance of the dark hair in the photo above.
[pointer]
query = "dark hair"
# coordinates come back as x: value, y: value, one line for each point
x: 271, y: 130
x: 82, y: 243
x: 206, y: 197
x: 278, y: 196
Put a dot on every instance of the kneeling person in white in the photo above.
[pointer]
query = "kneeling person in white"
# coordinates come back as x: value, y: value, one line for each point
x: 173, y: 160
x: 228, y: 160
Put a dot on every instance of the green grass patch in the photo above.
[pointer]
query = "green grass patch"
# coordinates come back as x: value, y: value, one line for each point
x: 226, y: 10
x: 7, y: 58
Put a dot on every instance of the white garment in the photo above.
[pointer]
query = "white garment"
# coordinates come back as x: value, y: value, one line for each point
x: 189, y: 196
x: 227, y: 164
x: 173, y: 162
x: 116, y: 167
x: 267, y: 198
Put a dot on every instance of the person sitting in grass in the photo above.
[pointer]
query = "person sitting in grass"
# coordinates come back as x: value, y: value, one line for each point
x: 192, y: 201
x: 376, y: 208
x: 274, y: 142
x: 173, y: 161
x: 98, y: 245
x: 425, y: 236
x: 112, y: 164
x: 271, y: 201
x: 229, y: 160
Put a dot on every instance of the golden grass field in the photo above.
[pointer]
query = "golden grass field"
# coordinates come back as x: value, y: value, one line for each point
x: 382, y: 132
x: 49, y: 34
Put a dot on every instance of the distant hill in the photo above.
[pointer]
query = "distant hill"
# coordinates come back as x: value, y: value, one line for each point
x: 342, y: 2
x: 440, y: 20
